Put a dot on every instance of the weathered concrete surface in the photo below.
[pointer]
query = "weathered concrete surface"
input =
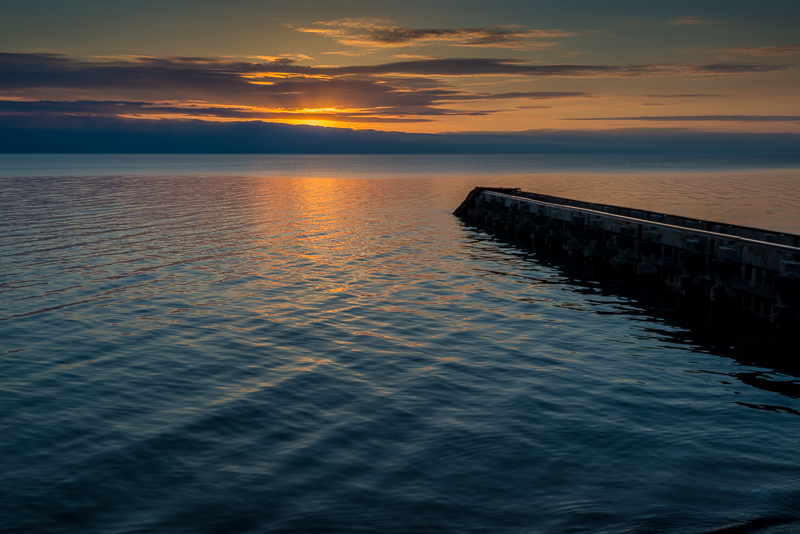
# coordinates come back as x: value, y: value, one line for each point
x: 737, y: 267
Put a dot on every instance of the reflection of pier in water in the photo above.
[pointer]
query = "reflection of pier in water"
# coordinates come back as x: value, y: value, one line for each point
x: 748, y: 342
x: 744, y: 337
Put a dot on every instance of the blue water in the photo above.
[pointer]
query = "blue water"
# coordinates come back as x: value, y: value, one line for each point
x: 189, y: 344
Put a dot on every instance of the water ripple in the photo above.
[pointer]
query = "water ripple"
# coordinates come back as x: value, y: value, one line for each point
x: 245, y: 353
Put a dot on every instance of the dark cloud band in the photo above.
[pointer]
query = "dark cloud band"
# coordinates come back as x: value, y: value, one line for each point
x: 404, y: 91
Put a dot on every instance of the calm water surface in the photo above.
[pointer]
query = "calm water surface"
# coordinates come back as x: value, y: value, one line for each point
x: 314, y: 344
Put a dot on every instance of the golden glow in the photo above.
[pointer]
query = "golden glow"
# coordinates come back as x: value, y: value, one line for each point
x: 330, y: 123
x: 284, y: 75
x: 326, y: 110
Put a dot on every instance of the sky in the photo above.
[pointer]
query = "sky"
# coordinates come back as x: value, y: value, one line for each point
x: 415, y: 67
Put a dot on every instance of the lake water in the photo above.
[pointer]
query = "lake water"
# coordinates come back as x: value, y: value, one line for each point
x: 270, y: 344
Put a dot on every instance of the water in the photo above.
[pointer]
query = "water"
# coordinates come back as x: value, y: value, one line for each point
x: 314, y: 344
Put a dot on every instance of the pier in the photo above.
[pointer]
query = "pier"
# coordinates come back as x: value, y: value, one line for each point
x: 733, y: 267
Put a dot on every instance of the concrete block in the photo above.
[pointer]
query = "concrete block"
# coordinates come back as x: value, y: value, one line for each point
x: 786, y: 316
x: 645, y: 269
x: 730, y: 254
x: 790, y: 269
x: 725, y: 268
x: 556, y: 214
x: 691, y: 260
x: 539, y: 233
x: 652, y: 236
x: 722, y: 293
x: 624, y: 242
x: 573, y: 245
x: 755, y: 256
x: 622, y: 260
x: 695, y: 245
x: 593, y: 251
x: 672, y: 238
x: 782, y: 240
x: 592, y: 233
x: 579, y: 218
x: 691, y: 283
x: 646, y: 248
x: 786, y: 285
x: 576, y: 230
x: 553, y: 240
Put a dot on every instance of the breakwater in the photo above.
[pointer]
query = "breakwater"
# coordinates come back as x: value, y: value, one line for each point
x: 733, y: 267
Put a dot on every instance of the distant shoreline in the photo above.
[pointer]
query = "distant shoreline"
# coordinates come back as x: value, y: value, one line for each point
x: 82, y: 135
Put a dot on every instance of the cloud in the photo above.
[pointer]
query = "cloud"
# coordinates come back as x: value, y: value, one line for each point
x: 539, y: 95
x: 517, y: 67
x: 345, y: 53
x: 735, y: 68
x: 409, y: 108
x: 413, y: 56
x: 692, y: 20
x: 204, y: 75
x: 284, y: 58
x: 764, y: 51
x: 380, y: 33
x: 153, y: 110
x: 700, y: 118
x: 278, y: 88
x: 687, y: 95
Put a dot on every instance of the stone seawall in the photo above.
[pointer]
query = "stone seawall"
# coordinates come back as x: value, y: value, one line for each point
x: 755, y: 270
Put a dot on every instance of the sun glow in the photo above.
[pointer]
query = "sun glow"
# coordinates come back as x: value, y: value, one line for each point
x: 327, y: 123
x: 285, y: 75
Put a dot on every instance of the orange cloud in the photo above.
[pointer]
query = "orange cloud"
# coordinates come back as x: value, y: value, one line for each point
x: 284, y: 58
x: 422, y: 91
x: 692, y: 20
x: 380, y: 33
x: 763, y: 51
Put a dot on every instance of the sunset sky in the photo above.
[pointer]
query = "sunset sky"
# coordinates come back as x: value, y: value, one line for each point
x: 415, y: 66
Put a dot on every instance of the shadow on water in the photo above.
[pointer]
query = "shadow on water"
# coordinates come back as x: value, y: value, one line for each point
x: 745, y: 339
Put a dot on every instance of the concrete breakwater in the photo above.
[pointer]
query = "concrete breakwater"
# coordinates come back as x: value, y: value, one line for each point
x: 735, y: 267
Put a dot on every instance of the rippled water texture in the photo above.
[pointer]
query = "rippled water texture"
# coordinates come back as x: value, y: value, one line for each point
x: 212, y: 348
